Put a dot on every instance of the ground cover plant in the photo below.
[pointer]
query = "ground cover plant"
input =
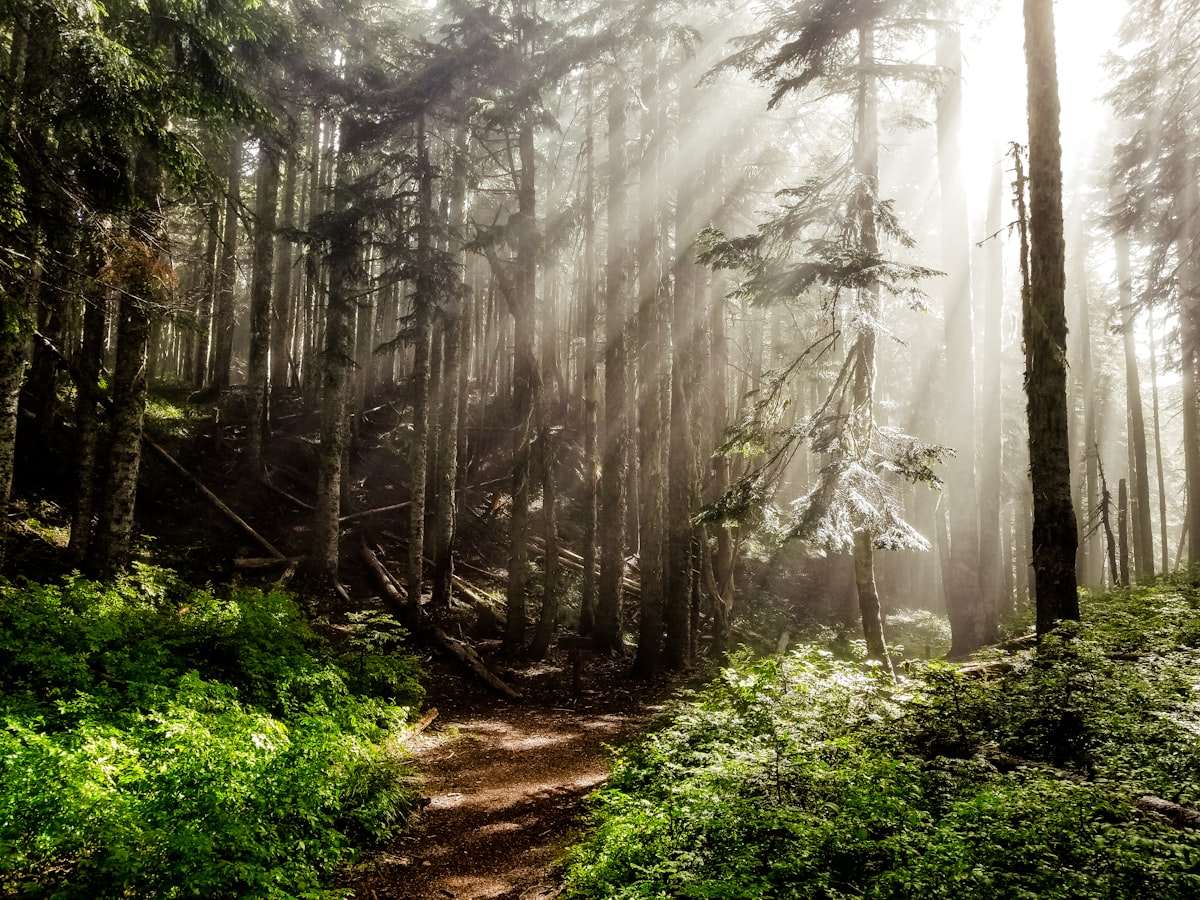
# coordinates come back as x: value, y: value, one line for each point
x: 813, y: 775
x: 160, y: 741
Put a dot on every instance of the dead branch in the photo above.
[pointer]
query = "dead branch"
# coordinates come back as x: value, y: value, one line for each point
x: 214, y: 500
x: 362, y: 514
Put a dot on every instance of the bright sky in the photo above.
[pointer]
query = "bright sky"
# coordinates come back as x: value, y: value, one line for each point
x: 994, y: 92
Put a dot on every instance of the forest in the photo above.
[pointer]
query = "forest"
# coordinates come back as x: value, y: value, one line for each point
x: 599, y: 449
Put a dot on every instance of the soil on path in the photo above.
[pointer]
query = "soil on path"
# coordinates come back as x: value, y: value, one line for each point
x: 506, y: 784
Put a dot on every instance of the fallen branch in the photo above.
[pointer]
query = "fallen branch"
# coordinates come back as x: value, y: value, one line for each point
x: 290, y: 498
x: 214, y: 500
x: 370, y: 512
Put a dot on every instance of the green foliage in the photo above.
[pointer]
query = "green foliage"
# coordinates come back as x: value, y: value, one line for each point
x: 810, y: 776
x: 160, y: 741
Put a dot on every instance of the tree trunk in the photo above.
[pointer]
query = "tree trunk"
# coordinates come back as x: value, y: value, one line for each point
x: 1189, y: 339
x: 424, y: 303
x: 651, y: 346
x: 991, y: 407
x: 862, y: 420
x: 1045, y: 331
x: 607, y: 633
x: 1158, y: 456
x: 446, y: 492
x: 971, y: 617
x: 111, y: 546
x: 282, y: 303
x: 261, y: 282
x: 87, y: 415
x: 526, y: 389
x: 680, y: 455
x: 335, y: 360
x: 591, y: 399
x: 1143, y: 537
x: 224, y: 313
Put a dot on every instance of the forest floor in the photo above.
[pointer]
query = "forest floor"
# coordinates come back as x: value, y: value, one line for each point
x: 506, y: 782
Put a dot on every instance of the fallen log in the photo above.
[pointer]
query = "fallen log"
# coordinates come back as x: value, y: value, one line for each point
x: 395, y: 594
x: 214, y: 500
x: 460, y: 650
x: 1179, y: 816
x: 424, y: 722
x: 564, y: 558
x: 265, y: 562
x: 467, y: 654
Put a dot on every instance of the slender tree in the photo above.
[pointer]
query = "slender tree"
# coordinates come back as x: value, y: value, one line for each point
x: 1045, y: 332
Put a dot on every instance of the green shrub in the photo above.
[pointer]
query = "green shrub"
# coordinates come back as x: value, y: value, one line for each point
x: 811, y: 776
x: 164, y: 742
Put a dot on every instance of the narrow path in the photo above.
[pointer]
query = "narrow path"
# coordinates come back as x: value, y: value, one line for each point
x: 507, y: 785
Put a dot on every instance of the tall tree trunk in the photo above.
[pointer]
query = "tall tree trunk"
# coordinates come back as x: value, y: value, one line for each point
x: 548, y: 451
x: 1158, y: 456
x: 446, y: 493
x: 424, y: 303
x: 591, y: 399
x: 1055, y: 536
x: 862, y: 419
x: 680, y: 454
x: 526, y: 389
x: 971, y: 618
x: 607, y: 633
x: 111, y: 545
x: 651, y: 345
x: 261, y: 281
x: 283, y: 297
x: 1122, y: 578
x: 1143, y: 537
x: 991, y: 406
x: 87, y: 413
x: 224, y: 313
x: 335, y: 360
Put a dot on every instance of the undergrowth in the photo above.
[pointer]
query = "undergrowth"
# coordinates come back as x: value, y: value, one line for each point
x: 159, y: 741
x: 814, y: 776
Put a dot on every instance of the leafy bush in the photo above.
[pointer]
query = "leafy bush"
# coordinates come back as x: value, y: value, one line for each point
x: 160, y: 741
x: 813, y: 776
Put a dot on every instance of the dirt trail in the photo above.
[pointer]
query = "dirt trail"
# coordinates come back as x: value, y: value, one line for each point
x: 507, y: 784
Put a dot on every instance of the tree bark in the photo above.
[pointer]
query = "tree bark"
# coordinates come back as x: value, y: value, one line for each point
x: 111, y: 547
x: 224, y: 313
x: 261, y: 281
x: 446, y: 494
x: 526, y: 389
x: 991, y: 458
x: 607, y: 633
x: 651, y: 346
x: 971, y: 617
x: 335, y: 360
x: 591, y: 399
x: 1143, y: 536
x: 1055, y: 538
x: 424, y: 303
x: 862, y: 418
